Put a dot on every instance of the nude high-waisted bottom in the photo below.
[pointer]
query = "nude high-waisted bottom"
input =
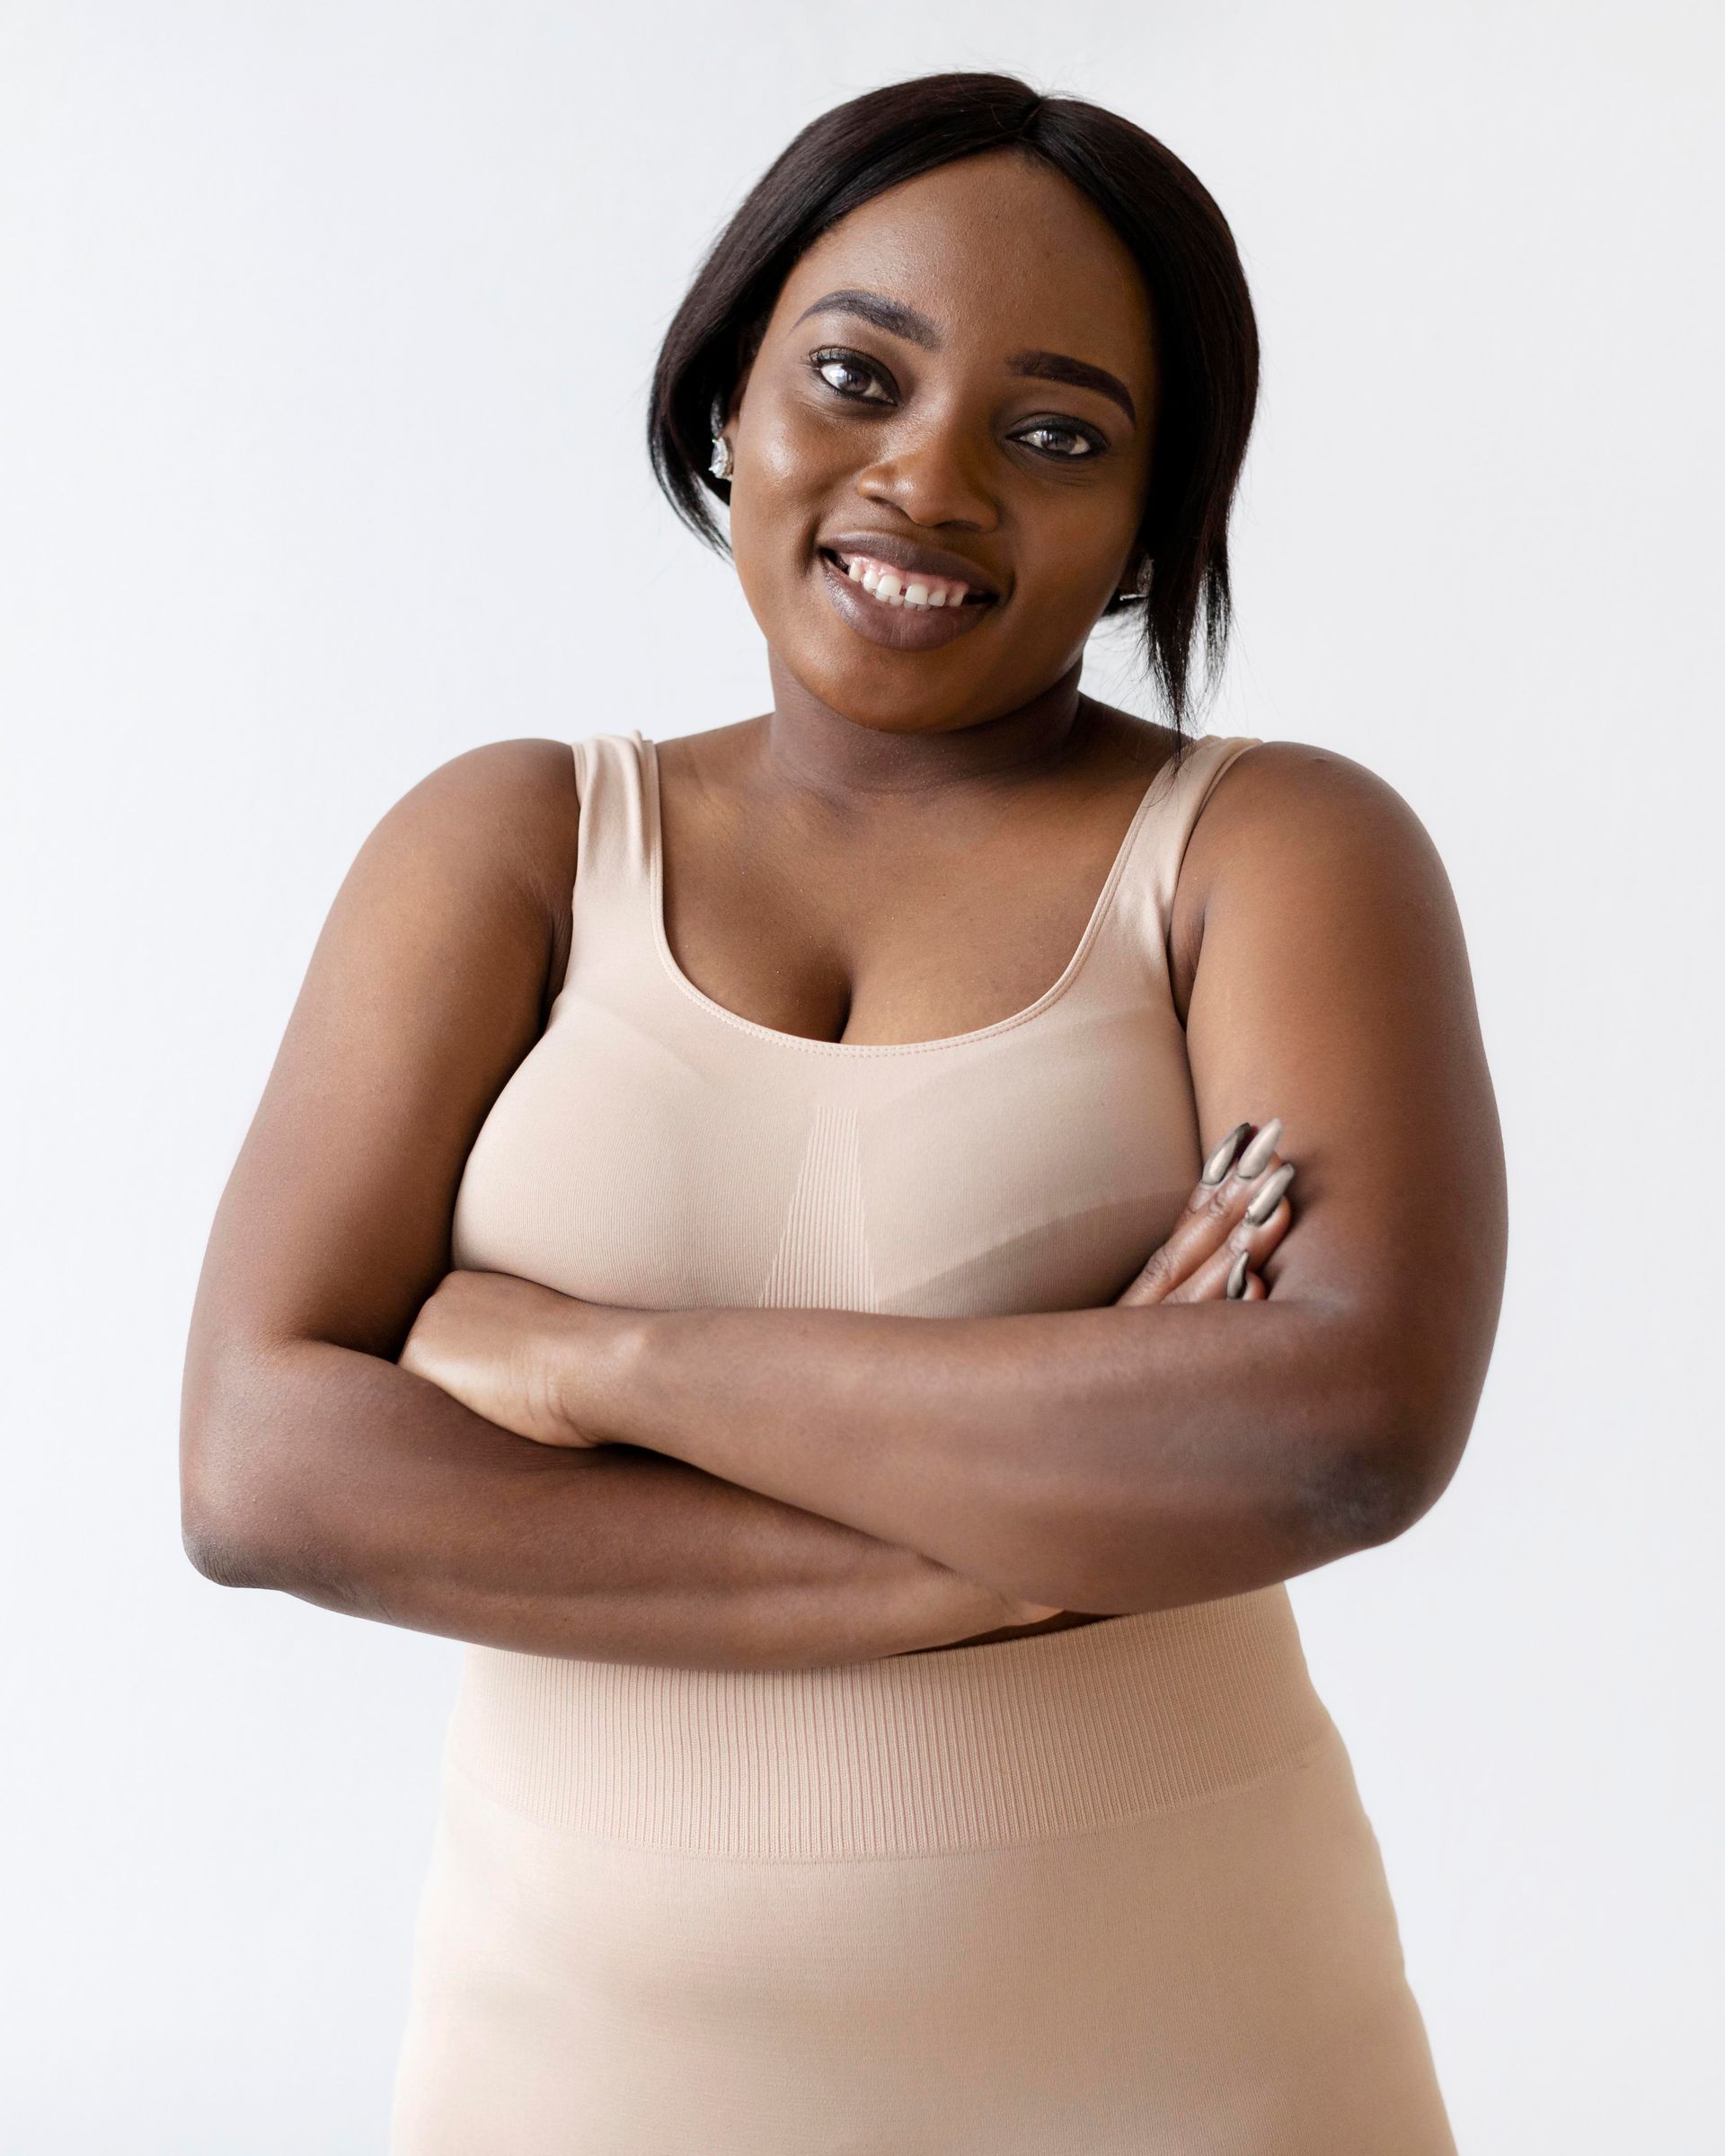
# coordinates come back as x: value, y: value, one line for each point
x: 1100, y: 1892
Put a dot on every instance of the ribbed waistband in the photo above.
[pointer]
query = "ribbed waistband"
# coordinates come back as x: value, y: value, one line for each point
x: 971, y: 1747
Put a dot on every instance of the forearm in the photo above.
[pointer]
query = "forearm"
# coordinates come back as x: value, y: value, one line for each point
x: 1111, y: 1459
x: 342, y: 1479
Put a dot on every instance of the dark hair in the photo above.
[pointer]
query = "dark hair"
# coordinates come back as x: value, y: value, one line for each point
x: 1207, y: 334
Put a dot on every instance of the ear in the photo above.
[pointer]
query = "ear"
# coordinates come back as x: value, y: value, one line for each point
x: 1135, y: 578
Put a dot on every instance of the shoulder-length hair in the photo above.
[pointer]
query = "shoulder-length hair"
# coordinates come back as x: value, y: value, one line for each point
x: 1207, y: 333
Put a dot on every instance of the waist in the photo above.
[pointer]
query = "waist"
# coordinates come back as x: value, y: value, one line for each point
x: 968, y: 1747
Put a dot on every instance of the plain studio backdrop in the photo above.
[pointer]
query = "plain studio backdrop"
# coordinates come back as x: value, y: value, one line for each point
x: 327, y: 336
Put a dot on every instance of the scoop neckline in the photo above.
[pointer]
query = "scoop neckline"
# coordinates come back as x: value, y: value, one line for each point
x: 1050, y: 995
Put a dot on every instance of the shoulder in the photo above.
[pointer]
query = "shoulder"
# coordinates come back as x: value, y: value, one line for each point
x: 530, y: 776
x: 1287, y: 809
x: 507, y: 810
x: 1287, y: 821
x: 1271, y: 780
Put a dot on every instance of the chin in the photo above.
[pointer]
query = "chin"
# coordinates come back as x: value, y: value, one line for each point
x: 917, y: 702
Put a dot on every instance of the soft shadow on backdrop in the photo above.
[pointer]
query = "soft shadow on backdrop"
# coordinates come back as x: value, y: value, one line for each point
x: 321, y: 398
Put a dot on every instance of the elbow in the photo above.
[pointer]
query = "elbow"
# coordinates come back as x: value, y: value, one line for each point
x: 1361, y: 1498
x: 222, y: 1521
x: 1372, y: 1487
x: 240, y: 1531
x: 1379, y: 1466
x: 218, y: 1555
x: 231, y: 1512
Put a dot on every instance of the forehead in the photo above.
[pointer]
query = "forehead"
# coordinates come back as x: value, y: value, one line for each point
x: 999, y: 249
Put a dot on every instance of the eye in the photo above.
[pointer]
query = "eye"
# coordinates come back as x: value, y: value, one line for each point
x: 836, y: 360
x: 1091, y: 444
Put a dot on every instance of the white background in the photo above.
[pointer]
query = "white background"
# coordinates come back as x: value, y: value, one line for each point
x: 327, y: 330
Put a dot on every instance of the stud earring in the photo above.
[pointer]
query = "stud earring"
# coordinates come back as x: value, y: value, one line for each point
x: 1140, y: 589
x: 721, y: 463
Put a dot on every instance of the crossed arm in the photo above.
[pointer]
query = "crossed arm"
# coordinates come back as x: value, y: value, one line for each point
x: 1101, y: 1460
x: 1112, y: 1459
x: 1125, y: 1459
x: 1016, y: 1450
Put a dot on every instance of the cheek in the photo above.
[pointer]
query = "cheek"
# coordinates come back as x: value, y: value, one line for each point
x: 1076, y: 548
x: 786, y: 453
x: 793, y: 477
x: 792, y: 453
x: 764, y: 529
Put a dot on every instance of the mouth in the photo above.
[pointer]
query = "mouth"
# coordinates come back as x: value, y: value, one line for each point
x: 901, y: 608
x: 888, y: 586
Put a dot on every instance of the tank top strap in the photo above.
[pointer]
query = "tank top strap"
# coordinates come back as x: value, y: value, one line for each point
x: 1144, y: 902
x: 615, y: 832
x: 615, y: 846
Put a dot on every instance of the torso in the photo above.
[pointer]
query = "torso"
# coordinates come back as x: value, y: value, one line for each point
x: 914, y: 919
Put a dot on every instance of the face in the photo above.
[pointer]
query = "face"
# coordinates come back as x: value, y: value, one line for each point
x: 944, y: 379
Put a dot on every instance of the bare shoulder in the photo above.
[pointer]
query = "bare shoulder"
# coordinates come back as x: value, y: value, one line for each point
x: 519, y: 796
x: 1285, y: 819
x: 1286, y: 795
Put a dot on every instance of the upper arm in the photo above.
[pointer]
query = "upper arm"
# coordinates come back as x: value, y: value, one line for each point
x: 426, y: 988
x: 1330, y: 987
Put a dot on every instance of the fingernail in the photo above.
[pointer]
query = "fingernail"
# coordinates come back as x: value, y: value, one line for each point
x: 1254, y: 1160
x: 1267, y: 1200
x: 1221, y: 1159
x: 1237, y: 1277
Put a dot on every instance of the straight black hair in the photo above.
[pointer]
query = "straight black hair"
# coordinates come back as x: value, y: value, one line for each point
x: 1207, y: 333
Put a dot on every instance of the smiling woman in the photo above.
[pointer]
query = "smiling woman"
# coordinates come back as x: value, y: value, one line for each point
x: 776, y: 1238
x: 1075, y: 324
x: 1131, y: 272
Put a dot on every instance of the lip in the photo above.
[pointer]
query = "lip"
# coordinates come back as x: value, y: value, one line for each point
x: 909, y: 555
x: 900, y: 628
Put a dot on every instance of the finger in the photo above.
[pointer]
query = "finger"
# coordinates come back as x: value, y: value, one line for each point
x: 1240, y: 1167
x: 1252, y: 1284
x: 1252, y: 1240
x: 1209, y: 1229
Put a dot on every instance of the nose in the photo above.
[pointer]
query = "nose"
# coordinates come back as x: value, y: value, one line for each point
x: 934, y: 474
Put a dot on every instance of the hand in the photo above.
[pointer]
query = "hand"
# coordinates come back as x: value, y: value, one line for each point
x: 497, y: 1344
x: 1194, y: 1264
x: 953, y: 1610
x: 1211, y: 1237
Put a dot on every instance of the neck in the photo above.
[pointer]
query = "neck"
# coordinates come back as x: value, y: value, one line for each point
x: 805, y: 744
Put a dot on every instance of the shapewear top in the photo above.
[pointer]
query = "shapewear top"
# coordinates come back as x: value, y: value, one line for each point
x: 1099, y: 1891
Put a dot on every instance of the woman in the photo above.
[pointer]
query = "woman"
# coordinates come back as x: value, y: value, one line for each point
x: 727, y: 1236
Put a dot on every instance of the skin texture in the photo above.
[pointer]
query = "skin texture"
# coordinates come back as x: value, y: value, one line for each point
x: 907, y: 846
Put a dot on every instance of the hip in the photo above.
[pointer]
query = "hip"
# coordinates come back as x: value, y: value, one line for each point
x: 1109, y: 1889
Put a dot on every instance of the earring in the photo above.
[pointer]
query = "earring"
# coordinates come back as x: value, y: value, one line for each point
x: 1140, y: 589
x: 721, y: 463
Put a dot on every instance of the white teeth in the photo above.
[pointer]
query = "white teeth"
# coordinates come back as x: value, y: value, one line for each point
x: 892, y: 589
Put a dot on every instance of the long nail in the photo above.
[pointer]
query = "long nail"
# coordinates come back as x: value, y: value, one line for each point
x: 1267, y: 1200
x: 1221, y: 1159
x: 1256, y: 1157
x: 1237, y: 1277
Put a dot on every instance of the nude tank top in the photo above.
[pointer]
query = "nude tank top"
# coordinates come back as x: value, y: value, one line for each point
x: 657, y: 1151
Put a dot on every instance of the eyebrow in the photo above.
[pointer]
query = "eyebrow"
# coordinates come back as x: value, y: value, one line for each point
x: 914, y: 327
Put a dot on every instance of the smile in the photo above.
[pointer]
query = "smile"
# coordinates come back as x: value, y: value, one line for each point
x: 903, y: 586
x: 906, y: 610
